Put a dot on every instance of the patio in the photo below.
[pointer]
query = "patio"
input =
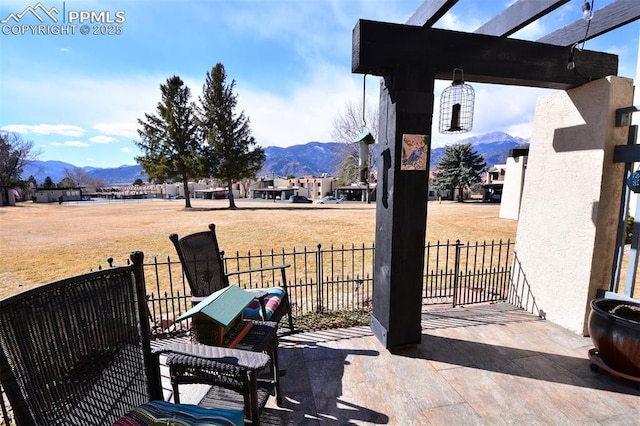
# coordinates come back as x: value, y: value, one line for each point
x: 485, y: 364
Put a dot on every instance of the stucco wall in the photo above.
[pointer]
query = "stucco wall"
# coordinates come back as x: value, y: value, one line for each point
x: 570, y: 203
x: 512, y: 190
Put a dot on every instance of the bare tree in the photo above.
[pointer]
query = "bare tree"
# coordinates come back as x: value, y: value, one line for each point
x: 245, y: 185
x: 347, y: 126
x: 15, y: 154
x: 81, y: 178
x: 350, y: 123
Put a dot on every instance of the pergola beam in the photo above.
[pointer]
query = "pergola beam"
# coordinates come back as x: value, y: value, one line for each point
x: 517, y: 16
x: 610, y: 17
x: 378, y: 47
x: 430, y: 11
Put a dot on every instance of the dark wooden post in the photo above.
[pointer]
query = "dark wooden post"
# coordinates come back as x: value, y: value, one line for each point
x: 406, y: 106
x: 410, y: 58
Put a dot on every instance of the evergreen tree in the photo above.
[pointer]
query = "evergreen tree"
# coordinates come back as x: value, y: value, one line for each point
x: 459, y: 168
x: 170, y: 142
x: 231, y: 152
x: 48, y: 183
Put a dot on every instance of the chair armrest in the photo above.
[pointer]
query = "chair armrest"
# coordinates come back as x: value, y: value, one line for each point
x: 260, y: 295
x: 251, y: 361
x: 266, y: 268
x: 197, y: 299
x: 282, y: 269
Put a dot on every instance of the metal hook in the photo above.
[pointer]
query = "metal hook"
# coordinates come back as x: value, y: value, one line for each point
x: 460, y: 80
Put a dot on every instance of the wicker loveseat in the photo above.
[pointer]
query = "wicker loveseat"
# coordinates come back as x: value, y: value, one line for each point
x: 78, y: 352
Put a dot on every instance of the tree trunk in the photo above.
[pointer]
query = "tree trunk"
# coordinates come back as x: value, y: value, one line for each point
x: 4, y: 196
x: 187, y: 196
x: 232, y: 203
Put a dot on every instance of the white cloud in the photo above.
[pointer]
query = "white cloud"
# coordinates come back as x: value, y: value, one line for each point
x: 77, y: 144
x: 112, y: 108
x: 126, y: 129
x: 102, y: 139
x: 533, y: 31
x: 499, y: 107
x: 308, y: 112
x: 45, y: 129
x: 452, y: 21
x: 127, y: 150
x: 508, y: 109
x: 303, y: 116
x: 313, y: 30
x: 522, y: 130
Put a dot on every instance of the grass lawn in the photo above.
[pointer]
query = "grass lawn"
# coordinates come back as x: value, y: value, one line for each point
x: 46, y: 242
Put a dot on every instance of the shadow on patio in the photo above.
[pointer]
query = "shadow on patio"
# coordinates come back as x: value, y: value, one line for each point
x: 490, y: 364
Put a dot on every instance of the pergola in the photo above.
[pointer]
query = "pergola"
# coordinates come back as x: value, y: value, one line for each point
x: 410, y: 58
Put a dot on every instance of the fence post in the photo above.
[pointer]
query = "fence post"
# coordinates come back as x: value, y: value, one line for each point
x: 319, y: 278
x: 456, y: 273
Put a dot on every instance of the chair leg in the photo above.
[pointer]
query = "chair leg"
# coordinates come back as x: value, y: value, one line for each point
x: 176, y: 393
x: 276, y: 375
x: 255, y: 409
x: 248, y: 412
x: 290, y: 316
x: 284, y: 284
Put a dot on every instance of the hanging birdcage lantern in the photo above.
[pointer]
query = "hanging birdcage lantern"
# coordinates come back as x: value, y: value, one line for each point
x: 456, y: 105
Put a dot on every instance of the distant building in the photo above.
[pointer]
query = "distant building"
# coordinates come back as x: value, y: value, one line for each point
x: 357, y: 192
x: 58, y: 195
x: 492, y: 188
x: 312, y: 187
x: 514, y: 183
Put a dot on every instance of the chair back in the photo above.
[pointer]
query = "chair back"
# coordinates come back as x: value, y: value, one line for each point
x: 201, y: 261
x: 76, y: 351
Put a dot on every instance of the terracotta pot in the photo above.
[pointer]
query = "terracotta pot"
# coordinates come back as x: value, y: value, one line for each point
x: 616, y: 338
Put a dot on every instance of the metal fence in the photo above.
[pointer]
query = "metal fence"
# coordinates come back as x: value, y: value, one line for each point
x: 339, y: 278
x: 466, y: 273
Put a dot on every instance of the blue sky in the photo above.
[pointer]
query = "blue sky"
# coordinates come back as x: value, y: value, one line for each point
x: 78, y: 97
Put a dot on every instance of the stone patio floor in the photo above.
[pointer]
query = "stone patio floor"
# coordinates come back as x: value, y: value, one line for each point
x: 477, y: 365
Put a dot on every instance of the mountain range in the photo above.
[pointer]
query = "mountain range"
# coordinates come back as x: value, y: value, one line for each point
x: 313, y: 158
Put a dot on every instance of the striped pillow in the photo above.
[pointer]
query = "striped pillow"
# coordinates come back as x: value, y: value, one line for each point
x: 271, y: 301
x: 157, y: 413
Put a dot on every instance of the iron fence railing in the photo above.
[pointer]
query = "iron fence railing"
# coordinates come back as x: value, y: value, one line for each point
x: 465, y: 273
x: 337, y: 278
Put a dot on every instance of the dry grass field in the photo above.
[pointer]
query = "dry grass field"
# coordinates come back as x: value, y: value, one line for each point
x: 46, y: 242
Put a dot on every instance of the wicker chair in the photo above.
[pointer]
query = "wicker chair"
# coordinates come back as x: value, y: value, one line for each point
x: 204, y: 269
x: 78, y: 352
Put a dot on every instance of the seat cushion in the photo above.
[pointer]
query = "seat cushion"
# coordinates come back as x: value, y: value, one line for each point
x: 272, y: 301
x: 156, y: 413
